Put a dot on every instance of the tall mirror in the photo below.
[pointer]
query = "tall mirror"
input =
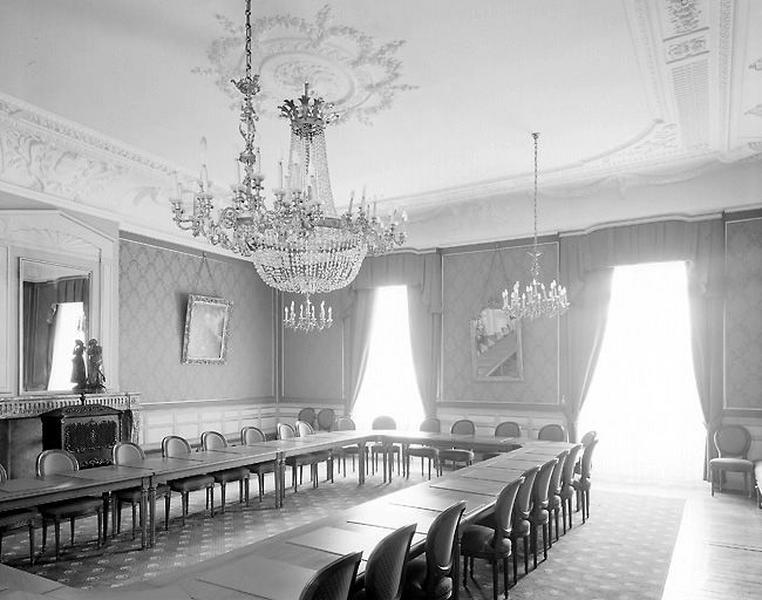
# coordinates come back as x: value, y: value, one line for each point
x: 496, y: 346
x: 54, y: 313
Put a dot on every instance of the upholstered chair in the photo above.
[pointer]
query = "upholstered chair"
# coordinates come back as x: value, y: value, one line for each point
x: 386, y: 567
x: 459, y: 456
x: 307, y: 415
x: 326, y: 419
x: 385, y: 449
x: 492, y: 544
x: 304, y: 429
x: 540, y: 515
x: 53, y: 462
x: 567, y: 489
x: 583, y: 481
x: 521, y: 527
x: 126, y: 453
x: 732, y: 443
x: 430, y: 453
x: 588, y: 438
x: 334, y: 581
x: 213, y: 440
x: 297, y: 463
x: 251, y: 436
x: 173, y: 446
x: 506, y: 429
x: 17, y: 519
x: 552, y: 433
x: 554, y: 493
x: 347, y: 424
x: 433, y: 575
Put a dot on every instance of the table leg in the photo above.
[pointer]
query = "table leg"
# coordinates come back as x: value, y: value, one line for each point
x: 105, y: 496
x: 144, y: 493
x: 279, y: 475
x: 361, y: 460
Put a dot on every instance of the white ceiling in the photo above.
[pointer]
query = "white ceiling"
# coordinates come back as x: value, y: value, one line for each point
x: 621, y: 90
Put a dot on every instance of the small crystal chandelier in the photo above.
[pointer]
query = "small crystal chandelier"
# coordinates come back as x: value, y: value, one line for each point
x: 535, y: 300
x: 300, y: 244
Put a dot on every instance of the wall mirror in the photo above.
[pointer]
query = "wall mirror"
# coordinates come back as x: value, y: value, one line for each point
x: 496, y: 347
x: 54, y: 312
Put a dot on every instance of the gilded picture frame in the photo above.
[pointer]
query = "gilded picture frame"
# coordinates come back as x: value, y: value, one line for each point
x: 207, y: 322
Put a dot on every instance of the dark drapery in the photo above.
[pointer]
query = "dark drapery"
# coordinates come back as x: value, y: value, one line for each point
x: 358, y: 318
x: 422, y: 275
x: 586, y: 260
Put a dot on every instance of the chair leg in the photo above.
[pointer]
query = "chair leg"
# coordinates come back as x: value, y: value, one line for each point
x: 246, y: 489
x: 261, y: 477
x: 71, y: 531
x: 167, y: 500
x: 545, y: 539
x: 44, y: 535
x: 100, y: 526
x: 711, y: 481
x: 526, y: 555
x: 534, y: 544
x: 515, y: 567
x: 211, y: 500
x: 494, y: 579
x: 571, y: 512
x: 31, y: 544
x: 57, y: 525
x: 465, y: 571
x: 505, y: 577
x: 133, y: 520
x: 223, y: 485
x: 184, y: 496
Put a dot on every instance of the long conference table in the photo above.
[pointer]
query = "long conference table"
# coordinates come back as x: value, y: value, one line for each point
x: 284, y: 563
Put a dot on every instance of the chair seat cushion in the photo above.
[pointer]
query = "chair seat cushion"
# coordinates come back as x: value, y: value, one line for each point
x: 456, y: 454
x: 133, y: 494
x: 478, y: 540
x: 415, y: 584
x: 423, y: 451
x: 231, y: 475
x: 17, y: 518
x: 190, y: 484
x: 72, y: 508
x: 732, y: 464
x: 380, y: 447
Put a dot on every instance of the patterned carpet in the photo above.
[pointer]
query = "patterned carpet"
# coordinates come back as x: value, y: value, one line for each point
x: 622, y: 553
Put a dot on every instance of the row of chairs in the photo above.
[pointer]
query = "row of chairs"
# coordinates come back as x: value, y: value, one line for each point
x: 521, y: 508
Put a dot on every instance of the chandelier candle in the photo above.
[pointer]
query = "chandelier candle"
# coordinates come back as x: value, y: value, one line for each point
x: 300, y: 244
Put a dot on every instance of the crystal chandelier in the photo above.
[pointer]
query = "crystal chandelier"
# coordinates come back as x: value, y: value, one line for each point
x: 300, y: 244
x: 535, y: 300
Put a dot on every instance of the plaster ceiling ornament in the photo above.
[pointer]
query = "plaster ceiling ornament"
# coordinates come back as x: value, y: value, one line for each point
x: 300, y: 244
x: 685, y: 16
x: 756, y: 65
x: 359, y: 76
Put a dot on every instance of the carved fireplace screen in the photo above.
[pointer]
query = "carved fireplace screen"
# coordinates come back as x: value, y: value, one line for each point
x: 89, y: 432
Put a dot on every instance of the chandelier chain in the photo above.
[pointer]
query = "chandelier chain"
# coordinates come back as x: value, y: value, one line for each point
x: 248, y: 39
x: 535, y: 137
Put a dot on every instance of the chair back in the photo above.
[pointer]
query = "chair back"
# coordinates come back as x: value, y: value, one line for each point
x: 213, y: 440
x: 54, y: 461
x: 463, y: 427
x: 304, y: 429
x: 383, y: 422
x: 569, y: 464
x: 431, y: 425
x: 285, y: 431
x: 3, y: 474
x: 588, y: 438
x: 174, y: 445
x: 440, y: 545
x: 385, y: 571
x: 345, y: 424
x: 542, y: 484
x: 732, y: 441
x: 251, y: 435
x: 334, y: 581
x: 587, y: 460
x: 523, y: 503
x: 326, y: 419
x: 555, y: 477
x: 552, y: 432
x: 504, y: 509
x: 307, y: 415
x: 125, y: 453
x: 508, y: 429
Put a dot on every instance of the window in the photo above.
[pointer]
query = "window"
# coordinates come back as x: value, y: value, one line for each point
x: 643, y: 399
x: 389, y: 386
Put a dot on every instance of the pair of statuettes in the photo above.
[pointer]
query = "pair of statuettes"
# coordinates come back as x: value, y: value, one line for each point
x: 87, y: 367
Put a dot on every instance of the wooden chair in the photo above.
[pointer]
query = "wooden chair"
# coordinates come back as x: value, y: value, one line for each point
x: 334, y: 581
x: 552, y: 433
x: 347, y: 424
x: 326, y: 419
x: 492, y: 544
x: 505, y: 429
x: 521, y: 527
x: 434, y: 575
x: 459, y: 456
x: 430, y: 453
x: 297, y: 463
x: 305, y: 429
x: 554, y: 493
x: 213, y: 440
x: 732, y: 443
x: 51, y: 462
x: 386, y: 450
x: 567, y: 489
x: 588, y: 438
x: 251, y: 436
x: 172, y: 446
x: 125, y: 453
x: 540, y: 515
x: 385, y: 570
x: 17, y: 519
x: 307, y: 415
x: 583, y: 482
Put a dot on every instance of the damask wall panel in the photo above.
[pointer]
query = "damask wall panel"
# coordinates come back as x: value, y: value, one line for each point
x: 743, y: 315
x: 470, y: 279
x: 154, y: 285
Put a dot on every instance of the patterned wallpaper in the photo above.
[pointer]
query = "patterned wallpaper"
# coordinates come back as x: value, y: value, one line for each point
x: 470, y: 279
x: 743, y: 315
x: 154, y: 284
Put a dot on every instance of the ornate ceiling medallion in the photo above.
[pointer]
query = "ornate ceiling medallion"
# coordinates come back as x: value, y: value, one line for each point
x: 359, y: 76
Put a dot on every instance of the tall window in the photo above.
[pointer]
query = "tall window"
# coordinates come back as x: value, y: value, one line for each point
x: 389, y: 386
x: 643, y: 399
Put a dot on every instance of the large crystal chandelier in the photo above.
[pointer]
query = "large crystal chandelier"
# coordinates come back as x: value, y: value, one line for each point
x: 535, y: 300
x: 300, y: 244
